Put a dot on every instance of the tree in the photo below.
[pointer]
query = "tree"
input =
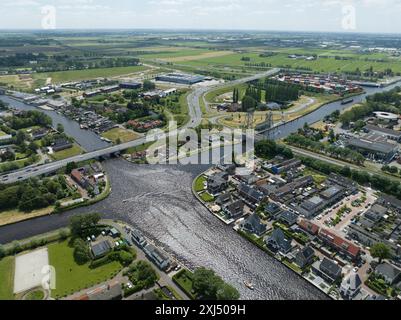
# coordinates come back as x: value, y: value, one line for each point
x: 148, y: 85
x: 81, y: 252
x: 380, y: 251
x: 206, y: 283
x: 70, y: 166
x: 227, y: 292
x: 2, y: 251
x: 60, y: 128
x: 80, y: 223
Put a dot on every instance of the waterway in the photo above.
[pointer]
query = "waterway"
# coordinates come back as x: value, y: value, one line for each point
x: 158, y: 201
x: 88, y: 140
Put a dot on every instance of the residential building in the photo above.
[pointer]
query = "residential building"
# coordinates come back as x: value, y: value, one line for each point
x: 254, y: 225
x: 235, y: 209
x: 312, y: 206
x: 349, y: 185
x: 61, y: 144
x: 252, y: 195
x: 161, y: 260
x: 138, y: 238
x: 286, y: 165
x: 341, y: 245
x: 350, y: 286
x: 224, y: 199
x: 100, y: 249
x: 272, y: 209
x: 288, y: 218
x: 309, y: 227
x: 327, y: 269
x: 390, y: 273
x: 291, y: 187
x: 278, y: 241
x: 39, y: 133
x: 305, y: 257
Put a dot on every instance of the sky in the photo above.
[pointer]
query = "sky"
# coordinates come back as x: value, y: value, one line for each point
x: 377, y: 16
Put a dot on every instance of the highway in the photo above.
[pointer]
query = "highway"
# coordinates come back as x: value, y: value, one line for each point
x: 195, y: 114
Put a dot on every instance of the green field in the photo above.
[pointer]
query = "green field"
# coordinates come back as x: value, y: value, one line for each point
x: 71, y: 277
x: 123, y: 134
x: 75, y: 75
x: 329, y: 64
x: 6, y: 278
x: 67, y: 153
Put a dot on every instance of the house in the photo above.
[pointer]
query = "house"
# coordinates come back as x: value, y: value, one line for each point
x: 235, y: 209
x: 278, y: 241
x: 161, y: 260
x: 61, y: 144
x: 223, y: 199
x: 217, y: 183
x: 39, y: 133
x: 138, y: 238
x: 332, y: 194
x: 272, y: 209
x: 288, y: 218
x: 350, y: 286
x: 350, y: 186
x: 341, y: 245
x: 253, y: 225
x: 252, y: 195
x: 309, y: 227
x: 305, y: 257
x: 327, y: 269
x: 100, y: 249
x: 285, y: 166
x: 312, y: 206
x: 390, y: 273
x: 79, y: 178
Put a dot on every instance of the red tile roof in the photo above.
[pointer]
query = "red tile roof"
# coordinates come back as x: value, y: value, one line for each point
x: 309, y: 226
x: 340, y: 243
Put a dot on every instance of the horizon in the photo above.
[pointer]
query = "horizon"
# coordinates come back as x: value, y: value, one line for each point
x: 354, y: 16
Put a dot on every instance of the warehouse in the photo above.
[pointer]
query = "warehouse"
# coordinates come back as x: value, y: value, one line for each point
x: 130, y: 85
x: 388, y: 133
x: 180, y: 78
x: 377, y: 150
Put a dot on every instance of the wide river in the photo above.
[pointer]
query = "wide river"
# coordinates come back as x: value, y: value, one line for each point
x: 158, y: 200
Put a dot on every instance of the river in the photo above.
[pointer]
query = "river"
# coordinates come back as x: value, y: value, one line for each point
x: 85, y: 138
x: 158, y: 201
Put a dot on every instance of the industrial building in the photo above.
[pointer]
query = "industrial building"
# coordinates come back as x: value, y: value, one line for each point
x: 388, y: 133
x: 130, y: 85
x: 181, y: 78
x: 378, y: 150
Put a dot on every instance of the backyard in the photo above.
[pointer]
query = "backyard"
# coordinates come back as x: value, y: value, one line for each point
x: 71, y: 277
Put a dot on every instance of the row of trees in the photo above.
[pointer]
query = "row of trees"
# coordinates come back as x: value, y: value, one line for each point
x: 29, y: 119
x: 33, y: 193
x: 236, y: 95
x: 268, y: 149
x: 281, y: 92
x: 209, y: 286
x: 347, y: 154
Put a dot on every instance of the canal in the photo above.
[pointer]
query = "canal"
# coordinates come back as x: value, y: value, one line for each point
x: 85, y: 138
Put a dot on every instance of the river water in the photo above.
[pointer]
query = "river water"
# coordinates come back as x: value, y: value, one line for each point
x: 85, y: 138
x: 158, y: 201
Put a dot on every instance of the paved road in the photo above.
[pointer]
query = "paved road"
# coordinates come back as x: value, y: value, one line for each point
x: 195, y: 113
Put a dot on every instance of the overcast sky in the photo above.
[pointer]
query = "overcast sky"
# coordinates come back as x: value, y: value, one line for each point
x: 302, y: 15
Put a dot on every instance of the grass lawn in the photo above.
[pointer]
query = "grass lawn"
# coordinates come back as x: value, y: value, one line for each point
x: 75, y: 75
x: 184, y: 280
x: 2, y: 133
x: 124, y: 135
x: 7, y: 278
x: 35, y: 295
x: 207, y: 197
x: 67, y: 153
x: 199, y: 184
x: 13, y: 216
x: 71, y: 277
